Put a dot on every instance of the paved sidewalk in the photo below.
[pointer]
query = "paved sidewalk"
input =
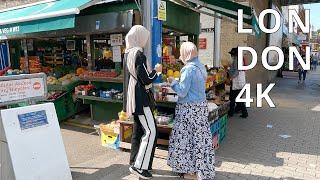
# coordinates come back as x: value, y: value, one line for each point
x: 273, y: 143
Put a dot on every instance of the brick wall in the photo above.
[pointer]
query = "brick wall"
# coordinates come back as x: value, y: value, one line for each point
x: 12, y: 3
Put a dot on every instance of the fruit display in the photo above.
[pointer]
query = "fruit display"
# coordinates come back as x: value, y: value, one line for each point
x: 84, y: 89
x: 34, y: 64
x: 65, y: 80
x: 52, y: 80
x: 80, y: 71
x: 11, y: 72
x: 46, y: 70
x: 123, y: 116
x: 99, y: 74
x: 216, y: 76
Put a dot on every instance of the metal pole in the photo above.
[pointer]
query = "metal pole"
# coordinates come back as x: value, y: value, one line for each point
x: 8, y: 51
x: 217, y: 36
x: 25, y: 50
x: 89, y: 43
x: 147, y: 22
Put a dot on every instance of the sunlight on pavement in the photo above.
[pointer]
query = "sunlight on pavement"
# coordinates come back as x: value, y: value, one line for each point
x: 295, y: 166
x: 316, y: 108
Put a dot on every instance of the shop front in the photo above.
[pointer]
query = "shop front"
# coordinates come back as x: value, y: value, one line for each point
x: 79, y: 46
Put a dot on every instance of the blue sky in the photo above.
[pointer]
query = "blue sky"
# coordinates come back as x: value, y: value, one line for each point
x: 315, y: 15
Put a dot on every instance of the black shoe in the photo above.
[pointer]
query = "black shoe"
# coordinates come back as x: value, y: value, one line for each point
x: 244, y: 116
x: 144, y: 174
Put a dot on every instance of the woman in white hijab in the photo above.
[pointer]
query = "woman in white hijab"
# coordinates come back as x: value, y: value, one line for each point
x: 138, y: 81
x: 191, y: 151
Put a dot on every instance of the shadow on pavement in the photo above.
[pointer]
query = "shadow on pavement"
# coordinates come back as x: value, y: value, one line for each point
x: 115, y: 172
x: 237, y: 176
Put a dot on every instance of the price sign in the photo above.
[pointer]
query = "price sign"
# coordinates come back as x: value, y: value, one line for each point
x: 22, y: 87
x: 116, y: 39
x: 202, y: 43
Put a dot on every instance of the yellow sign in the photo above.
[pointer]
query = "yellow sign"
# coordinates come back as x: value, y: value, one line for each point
x: 162, y: 10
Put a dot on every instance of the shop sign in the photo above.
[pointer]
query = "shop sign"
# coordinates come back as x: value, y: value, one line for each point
x: 162, y: 10
x: 9, y: 30
x: 202, y: 43
x: 116, y: 39
x: 207, y: 30
x: 26, y: 88
x: 32, y: 119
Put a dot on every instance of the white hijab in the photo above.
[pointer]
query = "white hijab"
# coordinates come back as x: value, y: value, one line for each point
x: 188, y: 51
x: 136, y: 39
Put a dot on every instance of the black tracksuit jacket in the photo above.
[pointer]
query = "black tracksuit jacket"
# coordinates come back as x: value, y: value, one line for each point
x: 144, y: 78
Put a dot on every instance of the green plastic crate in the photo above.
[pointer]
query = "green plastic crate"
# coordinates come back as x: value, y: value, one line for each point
x: 223, y: 121
x: 65, y: 106
x: 222, y: 134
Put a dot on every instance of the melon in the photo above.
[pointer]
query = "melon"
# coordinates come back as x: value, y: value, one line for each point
x: 176, y: 74
x: 170, y: 73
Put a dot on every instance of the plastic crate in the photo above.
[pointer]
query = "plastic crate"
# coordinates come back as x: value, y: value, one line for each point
x: 223, y: 121
x: 222, y: 134
x: 215, y: 126
x: 215, y: 141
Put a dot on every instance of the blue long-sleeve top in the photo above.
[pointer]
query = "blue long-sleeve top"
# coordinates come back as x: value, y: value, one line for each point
x: 191, y: 87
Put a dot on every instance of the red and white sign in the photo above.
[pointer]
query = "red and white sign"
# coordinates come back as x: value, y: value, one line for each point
x: 202, y: 43
x: 14, y: 90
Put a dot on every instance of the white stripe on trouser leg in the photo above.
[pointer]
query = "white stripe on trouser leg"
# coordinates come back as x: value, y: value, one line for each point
x: 147, y: 141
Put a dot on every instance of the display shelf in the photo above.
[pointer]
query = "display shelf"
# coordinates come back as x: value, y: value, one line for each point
x: 96, y: 79
x: 59, y: 87
x: 93, y: 98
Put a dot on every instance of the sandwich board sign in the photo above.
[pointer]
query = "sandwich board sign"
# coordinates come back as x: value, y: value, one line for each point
x: 31, y: 145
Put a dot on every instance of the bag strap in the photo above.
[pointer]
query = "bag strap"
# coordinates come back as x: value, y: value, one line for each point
x: 140, y: 84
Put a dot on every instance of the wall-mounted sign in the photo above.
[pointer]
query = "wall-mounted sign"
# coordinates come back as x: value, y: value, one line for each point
x: 116, y: 39
x: 116, y: 53
x: 207, y: 30
x: 9, y: 30
x: 202, y: 43
x: 162, y: 10
x: 97, y: 25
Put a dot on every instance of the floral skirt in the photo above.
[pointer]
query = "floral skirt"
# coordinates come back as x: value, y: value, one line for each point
x: 190, y: 147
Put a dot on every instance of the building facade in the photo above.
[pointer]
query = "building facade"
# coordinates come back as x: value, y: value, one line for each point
x: 4, y: 4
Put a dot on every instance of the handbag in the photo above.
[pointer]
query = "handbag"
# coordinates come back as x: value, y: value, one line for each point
x: 150, y: 95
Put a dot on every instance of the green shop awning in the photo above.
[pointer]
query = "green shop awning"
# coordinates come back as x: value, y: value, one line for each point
x: 230, y: 9
x: 42, y: 16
